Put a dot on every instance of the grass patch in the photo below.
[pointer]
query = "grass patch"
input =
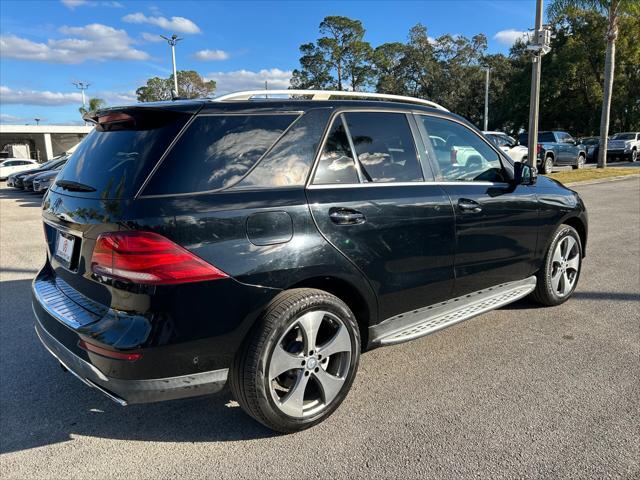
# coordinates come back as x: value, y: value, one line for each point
x: 592, y: 174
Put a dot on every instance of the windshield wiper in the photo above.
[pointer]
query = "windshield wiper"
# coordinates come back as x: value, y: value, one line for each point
x: 74, y: 186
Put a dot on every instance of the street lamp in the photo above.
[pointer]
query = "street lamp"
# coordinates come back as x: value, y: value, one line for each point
x: 486, y: 100
x: 37, y: 121
x: 172, y: 42
x: 82, y: 86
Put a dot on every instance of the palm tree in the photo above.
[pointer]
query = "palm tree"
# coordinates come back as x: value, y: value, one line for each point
x: 94, y: 104
x: 612, y: 10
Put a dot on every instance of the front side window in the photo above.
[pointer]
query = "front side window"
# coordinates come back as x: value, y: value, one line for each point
x: 336, y: 165
x: 384, y: 146
x: 216, y: 151
x: 460, y: 154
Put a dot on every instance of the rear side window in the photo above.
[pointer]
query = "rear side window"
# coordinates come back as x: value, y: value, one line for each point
x: 546, y: 137
x: 112, y: 162
x: 336, y: 165
x: 384, y: 146
x: 216, y: 151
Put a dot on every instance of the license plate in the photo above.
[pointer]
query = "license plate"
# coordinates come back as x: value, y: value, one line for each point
x: 64, y: 247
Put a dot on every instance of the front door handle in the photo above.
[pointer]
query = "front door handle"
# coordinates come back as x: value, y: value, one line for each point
x: 469, y: 206
x: 346, y: 216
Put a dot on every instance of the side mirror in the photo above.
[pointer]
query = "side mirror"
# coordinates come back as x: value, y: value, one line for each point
x: 524, y: 174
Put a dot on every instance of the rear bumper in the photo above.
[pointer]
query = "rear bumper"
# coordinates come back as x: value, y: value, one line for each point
x: 127, y: 392
x: 62, y: 314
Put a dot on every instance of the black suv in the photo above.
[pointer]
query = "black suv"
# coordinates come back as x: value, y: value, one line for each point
x: 269, y: 242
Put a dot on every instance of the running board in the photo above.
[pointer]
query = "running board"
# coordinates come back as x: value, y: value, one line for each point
x: 423, y: 321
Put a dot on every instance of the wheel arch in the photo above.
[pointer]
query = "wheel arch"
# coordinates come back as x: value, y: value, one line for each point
x: 581, y: 228
x: 364, y: 311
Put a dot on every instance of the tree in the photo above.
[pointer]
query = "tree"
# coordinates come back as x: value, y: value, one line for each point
x: 340, y: 59
x: 612, y: 10
x: 190, y: 85
x: 94, y: 104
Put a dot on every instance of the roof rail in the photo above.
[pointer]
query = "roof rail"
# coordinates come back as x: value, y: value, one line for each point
x: 325, y: 95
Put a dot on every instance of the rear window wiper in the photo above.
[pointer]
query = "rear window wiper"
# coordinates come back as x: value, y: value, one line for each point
x: 74, y: 186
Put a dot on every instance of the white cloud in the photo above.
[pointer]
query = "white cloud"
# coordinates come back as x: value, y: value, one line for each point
x: 209, y: 55
x: 91, y: 42
x: 48, y: 98
x: 72, y: 4
x: 6, y: 118
x: 175, y: 24
x: 509, y: 37
x: 247, y: 80
x: 151, y: 37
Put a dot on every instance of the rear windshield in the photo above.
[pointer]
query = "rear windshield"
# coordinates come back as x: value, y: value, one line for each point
x: 112, y: 163
x: 217, y: 151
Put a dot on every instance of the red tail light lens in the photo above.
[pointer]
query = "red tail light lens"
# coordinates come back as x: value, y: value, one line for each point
x: 539, y: 149
x: 90, y: 347
x: 148, y: 258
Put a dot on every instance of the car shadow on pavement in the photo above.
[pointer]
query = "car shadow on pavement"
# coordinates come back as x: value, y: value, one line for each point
x: 42, y: 405
x: 23, y: 198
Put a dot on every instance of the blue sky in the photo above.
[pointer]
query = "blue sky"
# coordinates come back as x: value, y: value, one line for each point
x: 115, y: 45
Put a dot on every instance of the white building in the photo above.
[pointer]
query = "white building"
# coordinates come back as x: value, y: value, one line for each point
x: 44, y: 141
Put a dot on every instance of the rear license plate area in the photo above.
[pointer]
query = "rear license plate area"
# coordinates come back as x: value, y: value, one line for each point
x: 67, y: 249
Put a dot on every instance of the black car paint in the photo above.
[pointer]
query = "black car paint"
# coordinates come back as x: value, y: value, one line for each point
x: 269, y: 240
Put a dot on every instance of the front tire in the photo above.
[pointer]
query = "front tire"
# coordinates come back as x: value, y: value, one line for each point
x: 558, y: 277
x: 547, y: 165
x: 634, y: 155
x: 298, y: 364
x: 579, y: 162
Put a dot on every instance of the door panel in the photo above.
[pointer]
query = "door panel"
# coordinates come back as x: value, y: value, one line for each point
x: 496, y: 240
x: 400, y: 237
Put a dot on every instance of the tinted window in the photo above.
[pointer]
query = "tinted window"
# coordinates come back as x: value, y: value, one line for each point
x: 289, y: 161
x: 216, y: 151
x: 624, y: 136
x: 384, y: 146
x: 116, y: 162
x: 336, y: 163
x: 460, y: 154
x: 546, y: 137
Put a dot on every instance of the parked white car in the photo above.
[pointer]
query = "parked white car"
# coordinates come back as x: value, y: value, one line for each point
x: 508, y: 145
x: 624, y: 145
x: 15, y: 165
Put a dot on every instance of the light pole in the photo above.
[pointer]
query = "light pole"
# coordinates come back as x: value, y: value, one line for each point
x: 82, y: 86
x: 486, y: 100
x: 539, y: 47
x: 37, y: 121
x: 172, y: 42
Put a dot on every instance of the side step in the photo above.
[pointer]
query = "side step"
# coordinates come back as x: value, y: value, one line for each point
x: 426, y: 320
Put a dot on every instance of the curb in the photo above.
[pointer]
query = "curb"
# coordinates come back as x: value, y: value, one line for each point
x: 602, y: 180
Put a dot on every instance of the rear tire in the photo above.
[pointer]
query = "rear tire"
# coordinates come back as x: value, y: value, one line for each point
x: 559, y: 275
x: 298, y: 363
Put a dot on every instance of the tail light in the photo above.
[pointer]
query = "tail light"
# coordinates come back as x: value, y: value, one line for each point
x: 539, y: 149
x: 148, y: 258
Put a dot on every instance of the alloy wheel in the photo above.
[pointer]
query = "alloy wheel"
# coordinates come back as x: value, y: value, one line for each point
x: 309, y: 364
x: 564, y: 266
x: 548, y: 165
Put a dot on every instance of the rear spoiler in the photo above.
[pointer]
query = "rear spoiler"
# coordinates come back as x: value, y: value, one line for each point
x: 142, y: 116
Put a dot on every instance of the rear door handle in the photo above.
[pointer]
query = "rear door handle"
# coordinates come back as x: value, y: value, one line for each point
x: 469, y: 206
x: 346, y: 216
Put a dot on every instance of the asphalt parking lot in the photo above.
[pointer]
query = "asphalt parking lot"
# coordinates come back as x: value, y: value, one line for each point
x: 520, y: 392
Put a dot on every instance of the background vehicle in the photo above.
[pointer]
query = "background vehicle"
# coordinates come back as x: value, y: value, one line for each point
x: 27, y: 180
x: 557, y: 148
x: 15, y: 165
x: 42, y: 181
x: 16, y: 179
x: 592, y: 147
x: 270, y: 242
x: 508, y: 145
x: 624, y: 145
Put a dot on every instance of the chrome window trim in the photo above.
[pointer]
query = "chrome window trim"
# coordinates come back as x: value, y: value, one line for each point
x: 352, y: 146
x: 183, y: 130
x: 401, y: 184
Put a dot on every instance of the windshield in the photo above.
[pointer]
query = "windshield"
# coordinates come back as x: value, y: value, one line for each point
x: 624, y: 136
x: 590, y: 141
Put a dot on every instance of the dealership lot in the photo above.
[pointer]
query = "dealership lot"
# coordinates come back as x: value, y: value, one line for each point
x: 522, y: 391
